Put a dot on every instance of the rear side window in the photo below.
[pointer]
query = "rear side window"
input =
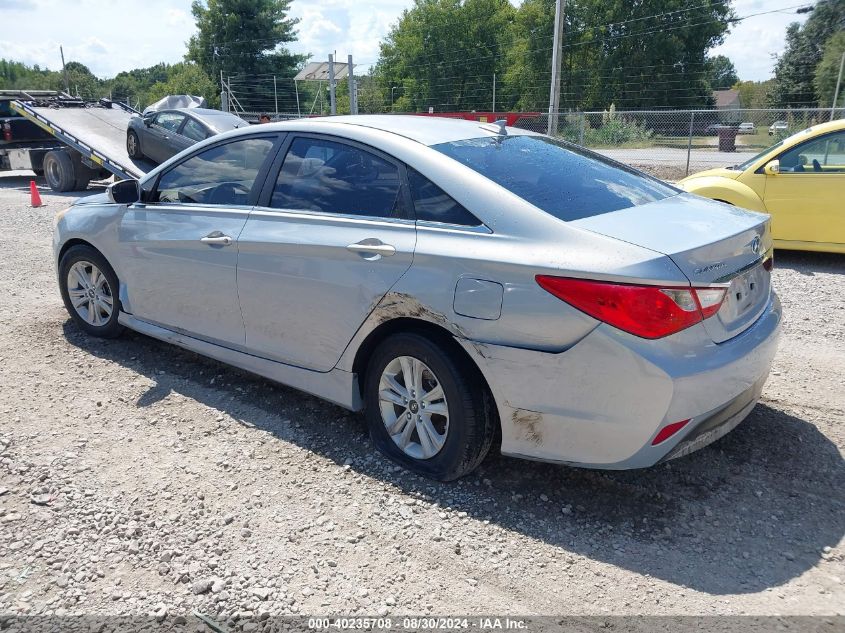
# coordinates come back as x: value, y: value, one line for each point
x: 223, y: 174
x: 433, y: 204
x: 194, y: 130
x: 561, y: 179
x: 322, y: 175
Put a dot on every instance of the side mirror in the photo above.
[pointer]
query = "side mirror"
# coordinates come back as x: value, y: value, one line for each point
x: 124, y: 192
x: 148, y: 121
x: 772, y: 168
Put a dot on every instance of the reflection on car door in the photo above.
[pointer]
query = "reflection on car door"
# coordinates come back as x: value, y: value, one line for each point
x: 806, y: 197
x: 331, y: 236
x: 179, y: 250
x: 161, y: 135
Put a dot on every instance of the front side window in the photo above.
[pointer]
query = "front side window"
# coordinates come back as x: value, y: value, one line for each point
x: 223, y: 174
x: 170, y: 120
x: 823, y: 155
x: 561, y: 179
x: 432, y: 204
x: 322, y: 175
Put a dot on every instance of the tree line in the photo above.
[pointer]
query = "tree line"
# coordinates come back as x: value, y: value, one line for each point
x: 464, y: 54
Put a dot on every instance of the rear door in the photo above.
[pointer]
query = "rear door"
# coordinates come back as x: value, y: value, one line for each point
x: 331, y: 235
x: 179, y: 250
x: 807, y: 197
x: 192, y: 131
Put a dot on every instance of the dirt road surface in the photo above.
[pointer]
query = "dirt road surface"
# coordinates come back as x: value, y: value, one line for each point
x: 136, y: 478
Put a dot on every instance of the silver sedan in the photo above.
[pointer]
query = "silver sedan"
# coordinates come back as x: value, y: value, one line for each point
x: 458, y: 282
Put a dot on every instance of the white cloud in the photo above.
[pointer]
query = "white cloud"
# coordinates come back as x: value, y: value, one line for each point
x: 127, y: 34
x: 753, y: 43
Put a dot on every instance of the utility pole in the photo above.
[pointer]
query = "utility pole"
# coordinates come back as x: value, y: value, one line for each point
x: 275, y: 95
x: 224, y: 96
x: 494, y: 92
x: 554, y: 95
x: 64, y: 70
x: 332, y: 104
x: 838, y: 81
x: 353, y: 106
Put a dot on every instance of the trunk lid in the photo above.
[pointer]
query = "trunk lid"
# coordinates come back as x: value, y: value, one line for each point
x: 711, y: 242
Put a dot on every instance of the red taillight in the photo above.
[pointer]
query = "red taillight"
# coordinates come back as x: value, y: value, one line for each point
x: 647, y: 311
x: 668, y: 431
x: 7, y: 132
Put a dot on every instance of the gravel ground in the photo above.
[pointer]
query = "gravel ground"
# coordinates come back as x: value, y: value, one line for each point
x: 136, y: 478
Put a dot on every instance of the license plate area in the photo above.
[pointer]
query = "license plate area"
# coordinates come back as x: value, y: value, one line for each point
x: 746, y: 297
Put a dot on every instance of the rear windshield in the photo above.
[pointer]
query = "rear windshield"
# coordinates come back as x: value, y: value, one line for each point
x: 561, y: 179
x: 223, y: 122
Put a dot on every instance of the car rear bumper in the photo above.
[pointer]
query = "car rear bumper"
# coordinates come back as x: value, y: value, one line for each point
x: 601, y: 403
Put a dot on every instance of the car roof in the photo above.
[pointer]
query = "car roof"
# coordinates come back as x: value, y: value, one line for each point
x: 812, y: 132
x: 201, y: 112
x: 428, y: 130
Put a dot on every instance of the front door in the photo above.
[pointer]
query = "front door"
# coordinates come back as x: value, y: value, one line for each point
x: 161, y: 134
x: 179, y: 251
x: 332, y: 235
x: 807, y: 197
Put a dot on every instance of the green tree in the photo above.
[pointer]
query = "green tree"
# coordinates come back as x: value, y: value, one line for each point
x: 185, y: 79
x: 828, y: 70
x: 796, y: 67
x: 754, y: 94
x: 81, y: 81
x: 651, y: 53
x: 721, y: 73
x: 244, y: 37
x: 15, y: 75
x: 528, y: 58
x: 444, y: 53
x: 133, y: 86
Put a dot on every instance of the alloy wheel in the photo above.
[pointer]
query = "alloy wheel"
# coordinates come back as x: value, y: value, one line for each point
x: 413, y: 407
x: 90, y: 293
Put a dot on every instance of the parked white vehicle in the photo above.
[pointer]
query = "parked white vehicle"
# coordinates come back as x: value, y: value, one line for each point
x: 778, y: 127
x: 747, y: 128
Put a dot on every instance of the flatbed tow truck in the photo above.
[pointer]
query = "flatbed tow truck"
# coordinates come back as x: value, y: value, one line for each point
x: 73, y: 142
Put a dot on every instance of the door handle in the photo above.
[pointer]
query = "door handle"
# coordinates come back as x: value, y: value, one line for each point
x: 216, y: 237
x: 372, y: 247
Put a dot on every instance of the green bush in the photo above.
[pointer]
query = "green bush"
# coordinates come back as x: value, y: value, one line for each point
x: 616, y: 131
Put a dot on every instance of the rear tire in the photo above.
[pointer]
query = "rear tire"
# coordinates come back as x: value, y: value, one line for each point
x: 89, y: 289
x: 442, y: 424
x: 59, y: 172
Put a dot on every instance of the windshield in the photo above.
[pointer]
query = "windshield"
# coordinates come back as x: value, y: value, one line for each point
x: 751, y: 161
x: 563, y: 180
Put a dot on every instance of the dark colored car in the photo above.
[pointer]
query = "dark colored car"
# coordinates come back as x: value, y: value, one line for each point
x: 160, y: 135
x: 22, y: 143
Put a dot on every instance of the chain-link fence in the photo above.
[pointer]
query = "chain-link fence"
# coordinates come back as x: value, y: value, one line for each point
x: 674, y: 143
x: 669, y: 144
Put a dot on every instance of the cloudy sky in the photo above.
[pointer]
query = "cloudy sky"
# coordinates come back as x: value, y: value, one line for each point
x: 119, y: 35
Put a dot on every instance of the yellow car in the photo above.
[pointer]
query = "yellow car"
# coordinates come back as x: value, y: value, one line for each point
x: 800, y: 181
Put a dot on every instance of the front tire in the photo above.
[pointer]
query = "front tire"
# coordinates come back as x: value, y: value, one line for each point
x: 427, y: 407
x: 89, y: 289
x: 133, y: 145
